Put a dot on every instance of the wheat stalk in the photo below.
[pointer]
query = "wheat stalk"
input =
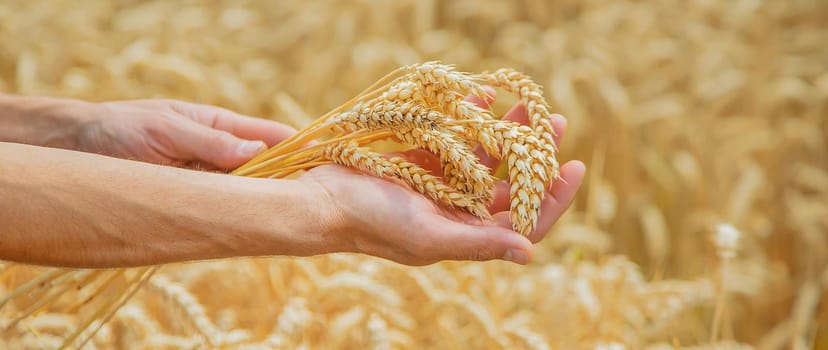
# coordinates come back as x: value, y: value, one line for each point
x: 184, y: 301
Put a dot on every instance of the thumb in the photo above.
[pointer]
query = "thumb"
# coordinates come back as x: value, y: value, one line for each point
x: 219, y: 148
x: 480, y: 243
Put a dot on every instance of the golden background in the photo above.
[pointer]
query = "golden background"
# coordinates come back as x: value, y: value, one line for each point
x: 689, y: 114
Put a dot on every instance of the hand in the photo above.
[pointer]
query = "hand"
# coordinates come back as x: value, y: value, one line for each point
x: 388, y: 220
x: 176, y: 133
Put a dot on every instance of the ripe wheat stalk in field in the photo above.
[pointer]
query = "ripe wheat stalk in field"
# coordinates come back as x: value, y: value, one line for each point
x: 420, y: 106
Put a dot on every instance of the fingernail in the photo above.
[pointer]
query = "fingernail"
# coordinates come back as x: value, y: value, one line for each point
x: 247, y: 148
x: 516, y: 256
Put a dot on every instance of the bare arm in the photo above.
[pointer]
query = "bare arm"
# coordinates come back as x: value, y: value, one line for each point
x: 60, y: 207
x: 42, y: 121
x: 75, y: 209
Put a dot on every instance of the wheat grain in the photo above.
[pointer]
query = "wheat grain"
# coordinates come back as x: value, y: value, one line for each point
x: 540, y: 118
x: 528, y: 172
x: 461, y: 168
x: 419, y: 179
x: 452, y: 106
x: 440, y: 87
x: 452, y: 82
x: 386, y: 115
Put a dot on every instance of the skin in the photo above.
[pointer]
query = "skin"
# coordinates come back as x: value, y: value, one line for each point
x: 112, y: 184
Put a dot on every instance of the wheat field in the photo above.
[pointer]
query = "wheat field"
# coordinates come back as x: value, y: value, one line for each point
x: 702, y: 224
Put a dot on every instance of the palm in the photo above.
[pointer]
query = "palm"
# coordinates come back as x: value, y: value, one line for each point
x: 402, y: 203
x: 388, y: 219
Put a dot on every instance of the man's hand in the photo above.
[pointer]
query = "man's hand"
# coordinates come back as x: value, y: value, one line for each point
x: 176, y: 133
x: 386, y: 219
x: 158, y: 131
x: 80, y: 213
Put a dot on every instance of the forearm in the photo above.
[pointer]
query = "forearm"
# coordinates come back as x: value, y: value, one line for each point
x: 69, y: 208
x: 42, y: 121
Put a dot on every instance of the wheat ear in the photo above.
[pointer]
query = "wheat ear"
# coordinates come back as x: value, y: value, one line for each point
x: 531, y: 94
x: 362, y: 158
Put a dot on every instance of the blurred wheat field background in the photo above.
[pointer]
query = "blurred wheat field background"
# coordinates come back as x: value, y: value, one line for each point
x: 703, y: 222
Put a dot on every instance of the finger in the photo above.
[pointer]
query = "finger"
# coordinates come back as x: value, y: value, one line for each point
x: 425, y: 159
x: 216, y: 147
x: 483, y: 102
x: 559, y: 123
x: 503, y: 219
x: 241, y: 126
x: 517, y: 114
x: 463, y: 216
x: 456, y: 241
x: 560, y: 197
x: 500, y: 197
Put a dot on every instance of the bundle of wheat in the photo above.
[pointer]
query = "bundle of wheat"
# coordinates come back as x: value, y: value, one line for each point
x: 423, y: 106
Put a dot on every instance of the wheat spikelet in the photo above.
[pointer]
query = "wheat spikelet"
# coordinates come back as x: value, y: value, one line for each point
x: 457, y: 83
x: 187, y: 303
x: 531, y: 94
x: 528, y: 175
x: 419, y: 179
x: 386, y: 115
x: 464, y: 110
x: 417, y: 125
x: 437, y: 98
x: 439, y: 86
x: 461, y: 168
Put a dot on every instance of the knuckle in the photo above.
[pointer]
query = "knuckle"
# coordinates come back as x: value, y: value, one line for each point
x: 161, y: 126
x: 479, y: 254
x: 220, y: 140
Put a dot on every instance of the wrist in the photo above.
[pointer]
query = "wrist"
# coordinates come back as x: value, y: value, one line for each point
x: 43, y: 121
x: 287, y: 217
x: 331, y: 221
